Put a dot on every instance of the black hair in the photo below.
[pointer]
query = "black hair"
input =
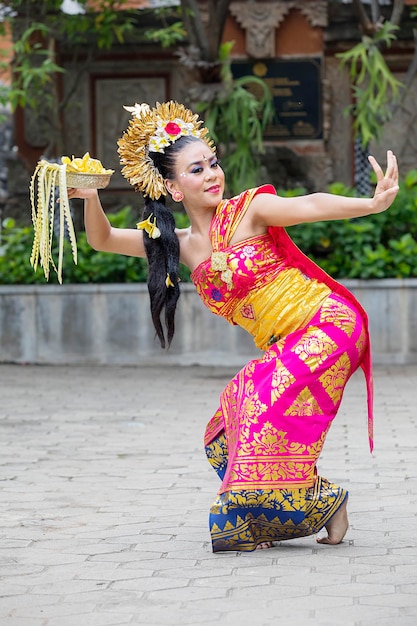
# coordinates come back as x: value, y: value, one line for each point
x: 163, y: 253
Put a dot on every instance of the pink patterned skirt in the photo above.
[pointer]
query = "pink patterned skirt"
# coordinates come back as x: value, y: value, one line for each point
x: 267, y: 435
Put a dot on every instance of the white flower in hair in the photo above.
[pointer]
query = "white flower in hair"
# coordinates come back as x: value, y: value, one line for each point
x: 157, y: 143
x: 152, y: 130
x: 139, y: 109
x: 167, y: 132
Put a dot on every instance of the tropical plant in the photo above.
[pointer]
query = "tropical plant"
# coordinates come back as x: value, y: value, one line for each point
x: 236, y: 111
x: 171, y: 30
x: 376, y: 246
x: 92, y: 267
x: 237, y: 118
x: 38, y: 28
x: 375, y: 88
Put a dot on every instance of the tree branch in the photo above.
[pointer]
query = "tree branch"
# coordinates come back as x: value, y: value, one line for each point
x: 367, y: 26
x: 218, y: 12
x: 397, y: 11
x: 375, y: 11
x: 191, y: 16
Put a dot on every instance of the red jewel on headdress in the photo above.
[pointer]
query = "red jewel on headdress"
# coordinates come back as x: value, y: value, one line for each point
x: 172, y: 129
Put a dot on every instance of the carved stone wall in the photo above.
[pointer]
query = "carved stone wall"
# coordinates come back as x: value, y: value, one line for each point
x: 110, y: 94
x: 261, y: 19
x: 95, y: 118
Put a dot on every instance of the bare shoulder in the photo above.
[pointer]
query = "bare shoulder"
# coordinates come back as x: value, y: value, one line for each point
x: 267, y: 209
x: 183, y: 235
x: 262, y: 199
x: 257, y: 217
x: 193, y: 249
x: 262, y: 204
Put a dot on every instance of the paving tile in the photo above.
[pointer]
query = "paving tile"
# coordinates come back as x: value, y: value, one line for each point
x: 397, y: 599
x: 105, y: 523
x: 92, y: 619
x: 185, y: 594
x: 151, y: 583
x: 23, y: 621
x: 401, y: 620
x: 54, y: 610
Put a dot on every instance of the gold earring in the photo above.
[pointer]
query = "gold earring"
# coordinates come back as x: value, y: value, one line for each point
x: 177, y: 196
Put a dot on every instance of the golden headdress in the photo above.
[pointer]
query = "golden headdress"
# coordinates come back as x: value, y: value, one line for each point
x: 152, y: 130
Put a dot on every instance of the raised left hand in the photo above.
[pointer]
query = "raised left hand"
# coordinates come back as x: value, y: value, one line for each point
x: 387, y: 184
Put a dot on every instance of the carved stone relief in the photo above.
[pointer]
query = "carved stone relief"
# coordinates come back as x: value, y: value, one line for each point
x: 261, y: 19
x: 315, y: 12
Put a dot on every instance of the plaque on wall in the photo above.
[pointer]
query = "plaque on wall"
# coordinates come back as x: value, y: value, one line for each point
x: 110, y: 94
x: 295, y: 85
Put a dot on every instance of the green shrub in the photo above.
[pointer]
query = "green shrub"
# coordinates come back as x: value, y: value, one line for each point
x: 92, y: 266
x: 376, y: 246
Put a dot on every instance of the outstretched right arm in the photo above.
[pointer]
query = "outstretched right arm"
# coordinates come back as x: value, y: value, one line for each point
x: 101, y: 235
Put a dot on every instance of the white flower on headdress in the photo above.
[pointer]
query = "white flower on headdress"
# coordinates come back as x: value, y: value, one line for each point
x: 168, y: 132
x: 153, y: 129
x: 139, y: 109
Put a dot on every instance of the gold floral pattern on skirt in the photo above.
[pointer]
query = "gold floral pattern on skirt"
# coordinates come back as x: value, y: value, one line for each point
x: 241, y: 520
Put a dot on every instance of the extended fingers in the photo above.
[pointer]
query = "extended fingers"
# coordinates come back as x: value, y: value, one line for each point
x: 392, y: 166
x: 376, y: 167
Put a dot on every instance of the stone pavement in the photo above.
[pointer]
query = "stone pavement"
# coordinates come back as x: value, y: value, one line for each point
x: 105, y: 493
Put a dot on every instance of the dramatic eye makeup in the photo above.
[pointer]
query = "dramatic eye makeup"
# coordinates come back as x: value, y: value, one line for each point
x: 197, y: 167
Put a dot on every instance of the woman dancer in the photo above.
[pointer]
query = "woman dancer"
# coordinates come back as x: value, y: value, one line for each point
x: 265, y: 439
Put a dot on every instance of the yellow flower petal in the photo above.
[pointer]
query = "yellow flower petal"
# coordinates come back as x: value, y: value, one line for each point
x: 150, y: 227
x: 85, y: 165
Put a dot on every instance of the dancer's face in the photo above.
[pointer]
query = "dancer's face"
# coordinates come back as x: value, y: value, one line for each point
x: 198, y: 176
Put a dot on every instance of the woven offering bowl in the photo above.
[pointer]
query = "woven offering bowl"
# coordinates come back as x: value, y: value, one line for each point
x: 85, y: 180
